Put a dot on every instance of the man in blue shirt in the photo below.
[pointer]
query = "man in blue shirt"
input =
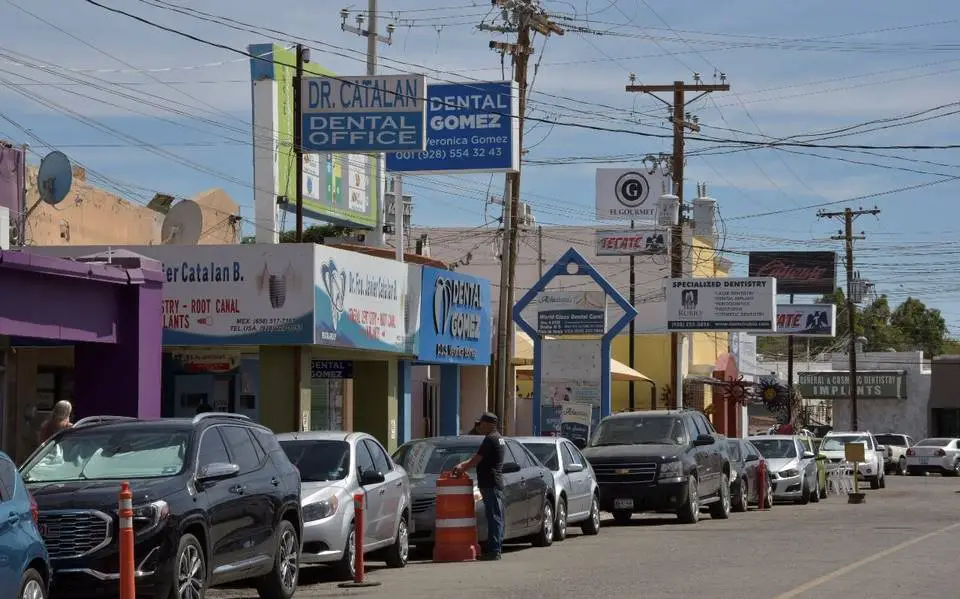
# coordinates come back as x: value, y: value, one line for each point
x: 489, y: 463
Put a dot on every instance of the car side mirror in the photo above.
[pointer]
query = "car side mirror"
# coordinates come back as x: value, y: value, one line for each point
x: 808, y: 455
x: 752, y: 458
x: 371, y: 477
x: 217, y: 471
x: 511, y: 468
x: 704, y: 440
x: 571, y: 468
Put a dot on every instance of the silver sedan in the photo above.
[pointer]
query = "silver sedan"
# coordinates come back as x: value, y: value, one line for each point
x: 575, y: 487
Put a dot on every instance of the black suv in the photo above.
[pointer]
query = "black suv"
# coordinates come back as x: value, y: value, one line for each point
x: 660, y: 461
x: 215, y: 500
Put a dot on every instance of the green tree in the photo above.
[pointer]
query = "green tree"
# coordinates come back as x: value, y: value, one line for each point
x: 921, y: 327
x: 314, y: 234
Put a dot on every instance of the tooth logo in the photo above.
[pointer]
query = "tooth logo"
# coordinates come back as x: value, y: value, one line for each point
x: 442, y: 306
x: 335, y: 284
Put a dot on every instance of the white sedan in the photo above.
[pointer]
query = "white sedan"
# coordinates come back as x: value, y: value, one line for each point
x: 939, y: 454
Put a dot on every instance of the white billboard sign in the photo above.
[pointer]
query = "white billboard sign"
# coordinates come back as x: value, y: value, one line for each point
x: 735, y: 304
x: 630, y: 194
x: 807, y: 320
x: 633, y: 242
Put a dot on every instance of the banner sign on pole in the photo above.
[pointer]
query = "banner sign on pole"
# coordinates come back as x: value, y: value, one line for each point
x: 629, y: 194
x: 384, y: 113
x: 806, y: 320
x: 813, y: 273
x: 633, y: 242
x: 734, y: 304
x: 471, y: 128
x: 562, y: 313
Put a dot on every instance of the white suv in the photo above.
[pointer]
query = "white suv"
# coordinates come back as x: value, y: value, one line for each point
x: 871, y: 469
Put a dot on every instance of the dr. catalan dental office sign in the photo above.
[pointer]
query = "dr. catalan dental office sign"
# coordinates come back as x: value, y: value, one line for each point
x: 454, y: 318
x: 562, y: 313
x: 871, y: 384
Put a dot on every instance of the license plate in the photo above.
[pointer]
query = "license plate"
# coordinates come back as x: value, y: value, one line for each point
x: 623, y: 504
x: 924, y: 461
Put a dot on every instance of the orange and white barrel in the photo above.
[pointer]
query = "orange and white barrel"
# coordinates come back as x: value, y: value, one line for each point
x: 455, y: 527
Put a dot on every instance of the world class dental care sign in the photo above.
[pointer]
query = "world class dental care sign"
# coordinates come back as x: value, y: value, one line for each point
x: 454, y: 318
x: 360, y: 301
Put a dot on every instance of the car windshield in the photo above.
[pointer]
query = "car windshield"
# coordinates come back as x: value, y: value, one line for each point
x: 734, y: 448
x: 774, y: 449
x: 102, y: 455
x: 640, y: 430
x: 319, y: 461
x: 934, y: 442
x: 894, y: 440
x: 837, y: 443
x: 546, y: 453
x: 429, y: 458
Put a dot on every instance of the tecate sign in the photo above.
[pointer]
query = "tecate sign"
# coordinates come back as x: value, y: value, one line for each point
x: 363, y: 114
x: 736, y: 304
x: 632, y: 242
x: 797, y: 272
x: 471, y: 128
x: 629, y: 194
x: 806, y: 320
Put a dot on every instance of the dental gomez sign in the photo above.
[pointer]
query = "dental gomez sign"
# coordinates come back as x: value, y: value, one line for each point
x: 454, y: 318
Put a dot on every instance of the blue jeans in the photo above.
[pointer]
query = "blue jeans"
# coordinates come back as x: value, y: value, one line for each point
x: 493, y: 507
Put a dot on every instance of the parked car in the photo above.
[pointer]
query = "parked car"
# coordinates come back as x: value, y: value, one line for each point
x: 793, y: 468
x: 660, y: 461
x: 812, y: 445
x: 528, y: 494
x: 940, y: 455
x: 215, y: 501
x: 745, y: 466
x: 26, y: 569
x: 333, y: 466
x: 896, y: 445
x: 871, y: 469
x: 577, y: 497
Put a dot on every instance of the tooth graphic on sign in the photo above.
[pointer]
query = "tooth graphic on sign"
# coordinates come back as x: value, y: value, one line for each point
x: 442, y: 302
x: 335, y: 284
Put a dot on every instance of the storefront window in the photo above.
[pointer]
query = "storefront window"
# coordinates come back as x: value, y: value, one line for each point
x: 327, y: 387
x: 53, y: 385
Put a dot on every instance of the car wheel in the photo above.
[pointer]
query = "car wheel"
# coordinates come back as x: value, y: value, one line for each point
x: 560, y: 524
x: 741, y: 497
x: 399, y: 553
x: 875, y: 482
x: 190, y: 571
x: 345, y: 568
x: 720, y: 509
x: 281, y: 582
x: 902, y: 467
x: 883, y: 480
x: 544, y: 536
x: 768, y: 499
x: 32, y: 586
x: 804, y: 492
x: 592, y: 525
x: 689, y: 512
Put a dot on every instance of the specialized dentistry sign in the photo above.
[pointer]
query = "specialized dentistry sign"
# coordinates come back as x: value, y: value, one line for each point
x: 471, y: 128
x: 363, y: 114
x: 734, y: 304
x: 454, y: 318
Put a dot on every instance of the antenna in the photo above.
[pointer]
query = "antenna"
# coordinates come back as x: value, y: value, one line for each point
x: 54, y: 177
x: 183, y: 224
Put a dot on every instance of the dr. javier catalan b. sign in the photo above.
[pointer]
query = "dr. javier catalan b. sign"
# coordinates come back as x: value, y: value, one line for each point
x: 363, y: 114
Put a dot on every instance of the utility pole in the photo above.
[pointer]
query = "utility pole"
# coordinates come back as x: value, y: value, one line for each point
x: 540, y: 250
x: 302, y: 56
x: 521, y: 17
x: 682, y: 122
x: 848, y: 215
x: 373, y: 37
x: 632, y: 331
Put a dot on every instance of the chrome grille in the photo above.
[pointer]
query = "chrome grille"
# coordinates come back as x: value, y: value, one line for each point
x: 72, y: 534
x: 628, y: 472
x: 423, y: 504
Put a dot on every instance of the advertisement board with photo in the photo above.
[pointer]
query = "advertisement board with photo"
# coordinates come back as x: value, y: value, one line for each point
x: 722, y: 304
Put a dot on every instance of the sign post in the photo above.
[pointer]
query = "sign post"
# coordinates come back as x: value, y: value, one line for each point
x: 572, y: 263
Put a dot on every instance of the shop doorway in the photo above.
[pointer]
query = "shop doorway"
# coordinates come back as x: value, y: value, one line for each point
x: 431, y: 408
x: 190, y: 391
x: 328, y: 390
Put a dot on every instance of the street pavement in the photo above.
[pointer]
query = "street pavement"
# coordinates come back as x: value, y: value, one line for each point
x: 903, y: 542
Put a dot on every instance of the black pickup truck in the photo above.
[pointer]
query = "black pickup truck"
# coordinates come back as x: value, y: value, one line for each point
x: 660, y: 461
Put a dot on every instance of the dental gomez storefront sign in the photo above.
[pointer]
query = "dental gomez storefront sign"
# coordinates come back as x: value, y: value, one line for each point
x: 360, y: 301
x: 454, y: 318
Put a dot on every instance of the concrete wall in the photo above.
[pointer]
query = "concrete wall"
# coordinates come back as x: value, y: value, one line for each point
x: 92, y: 216
x: 909, y: 416
x: 473, y: 394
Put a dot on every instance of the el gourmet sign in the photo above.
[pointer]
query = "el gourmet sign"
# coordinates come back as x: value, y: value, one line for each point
x: 813, y: 273
x: 871, y: 384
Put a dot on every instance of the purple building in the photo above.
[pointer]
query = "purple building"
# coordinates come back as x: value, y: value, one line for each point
x: 109, y: 313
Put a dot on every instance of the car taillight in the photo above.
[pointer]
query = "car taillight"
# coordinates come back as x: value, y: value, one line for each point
x: 34, y: 508
x: 910, y: 452
x: 941, y: 453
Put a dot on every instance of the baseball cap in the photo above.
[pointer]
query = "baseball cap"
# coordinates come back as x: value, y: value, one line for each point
x: 488, y: 417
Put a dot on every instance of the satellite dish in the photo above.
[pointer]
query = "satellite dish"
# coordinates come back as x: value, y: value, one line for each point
x: 183, y: 224
x: 54, y: 178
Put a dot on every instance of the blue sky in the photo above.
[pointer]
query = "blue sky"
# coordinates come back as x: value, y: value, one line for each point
x: 164, y: 113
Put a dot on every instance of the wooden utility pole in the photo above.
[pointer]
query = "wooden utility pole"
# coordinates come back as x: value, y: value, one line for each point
x: 525, y: 16
x: 682, y: 122
x: 298, y: 138
x: 848, y: 215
